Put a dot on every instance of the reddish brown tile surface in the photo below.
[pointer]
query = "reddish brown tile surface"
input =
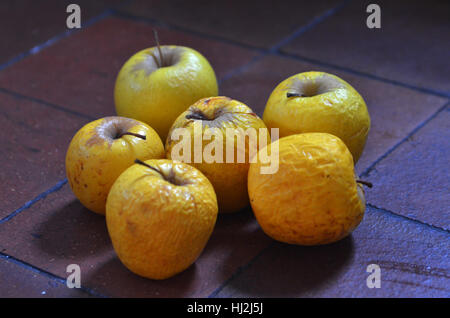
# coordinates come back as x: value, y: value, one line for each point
x: 58, y: 231
x: 413, y: 179
x: 34, y: 141
x: 408, y: 48
x: 413, y: 259
x: 255, y: 22
x: 47, y: 96
x: 394, y: 111
x: 18, y: 281
x: 79, y: 72
x: 34, y: 22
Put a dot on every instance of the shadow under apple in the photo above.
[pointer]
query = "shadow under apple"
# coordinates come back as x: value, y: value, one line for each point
x: 72, y: 232
x: 111, y: 278
x: 291, y: 271
x: 236, y: 239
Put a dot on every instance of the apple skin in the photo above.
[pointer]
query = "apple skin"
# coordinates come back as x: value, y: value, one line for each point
x: 157, y: 95
x: 229, y: 179
x: 95, y: 158
x: 329, y: 105
x: 314, y: 198
x: 160, y: 220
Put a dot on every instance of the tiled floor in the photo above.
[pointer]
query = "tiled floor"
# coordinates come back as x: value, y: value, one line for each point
x: 52, y: 81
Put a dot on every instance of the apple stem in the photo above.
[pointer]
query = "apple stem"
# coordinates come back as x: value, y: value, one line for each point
x: 170, y: 178
x: 294, y: 95
x: 140, y: 162
x: 155, y: 59
x: 132, y: 134
x: 199, y: 115
x: 161, y: 57
x: 366, y: 183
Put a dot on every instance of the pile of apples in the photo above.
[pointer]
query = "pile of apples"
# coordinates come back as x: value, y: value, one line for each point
x: 160, y: 212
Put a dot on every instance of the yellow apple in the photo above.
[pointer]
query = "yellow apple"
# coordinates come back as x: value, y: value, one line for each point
x: 156, y: 85
x: 211, y: 135
x: 319, y: 102
x: 160, y: 215
x: 101, y: 150
x: 314, y: 198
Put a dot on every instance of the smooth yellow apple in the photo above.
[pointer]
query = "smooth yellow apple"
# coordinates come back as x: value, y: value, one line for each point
x: 156, y: 87
x: 211, y: 119
x: 319, y: 102
x: 101, y: 150
x: 160, y: 215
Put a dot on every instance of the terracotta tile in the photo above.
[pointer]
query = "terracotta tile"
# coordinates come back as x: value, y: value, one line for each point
x: 35, y: 22
x: 256, y: 23
x: 79, y: 72
x: 395, y: 111
x: 413, y: 259
x: 34, y: 141
x: 414, y: 179
x: 408, y: 48
x: 58, y: 231
x: 20, y: 282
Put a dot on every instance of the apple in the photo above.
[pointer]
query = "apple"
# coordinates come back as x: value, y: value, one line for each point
x: 101, y: 150
x: 160, y: 215
x: 157, y: 84
x: 319, y: 102
x: 314, y: 198
x: 224, y: 152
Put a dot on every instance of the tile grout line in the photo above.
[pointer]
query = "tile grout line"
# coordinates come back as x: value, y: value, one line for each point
x: 238, y: 70
x: 159, y: 23
x: 44, y: 103
x: 30, y: 203
x: 273, y: 50
x: 218, y: 38
x: 34, y: 50
x: 263, y: 53
x: 362, y: 74
x: 434, y: 227
x: 290, y: 37
x: 266, y: 51
x: 240, y: 270
x: 38, y: 48
x: 241, y: 69
x: 45, y: 273
x: 315, y: 21
x: 372, y: 166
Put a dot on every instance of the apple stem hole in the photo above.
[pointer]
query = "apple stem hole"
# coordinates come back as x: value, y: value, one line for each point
x: 366, y: 183
x: 196, y: 116
x: 288, y: 95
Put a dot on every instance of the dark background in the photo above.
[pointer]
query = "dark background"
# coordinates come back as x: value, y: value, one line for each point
x: 54, y: 80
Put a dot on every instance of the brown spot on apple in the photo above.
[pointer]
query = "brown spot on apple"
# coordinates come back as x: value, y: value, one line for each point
x: 131, y: 227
